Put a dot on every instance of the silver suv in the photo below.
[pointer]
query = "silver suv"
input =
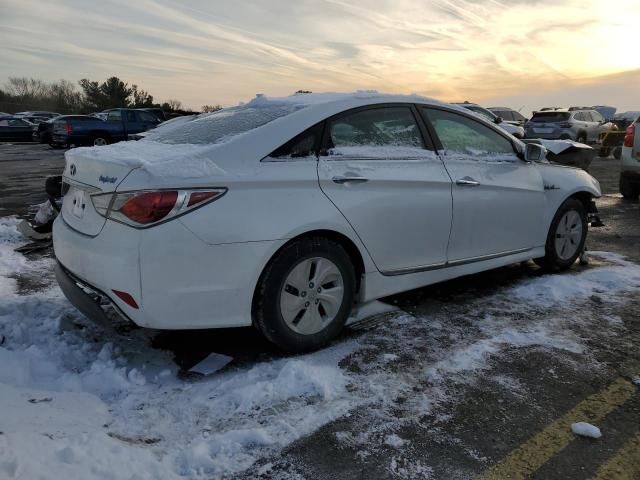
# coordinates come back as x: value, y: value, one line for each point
x: 581, y: 125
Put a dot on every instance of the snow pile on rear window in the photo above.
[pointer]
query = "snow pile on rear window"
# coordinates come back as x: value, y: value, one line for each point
x: 217, y: 127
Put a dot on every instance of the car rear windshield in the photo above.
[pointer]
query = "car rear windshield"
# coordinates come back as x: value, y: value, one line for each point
x: 220, y: 126
x: 550, y: 117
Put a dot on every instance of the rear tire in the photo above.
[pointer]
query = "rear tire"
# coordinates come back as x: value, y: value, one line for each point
x: 628, y: 191
x: 566, y: 237
x: 581, y: 138
x: 305, y: 294
x: 604, y: 152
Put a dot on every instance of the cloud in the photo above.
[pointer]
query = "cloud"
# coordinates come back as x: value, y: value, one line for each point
x: 226, y: 51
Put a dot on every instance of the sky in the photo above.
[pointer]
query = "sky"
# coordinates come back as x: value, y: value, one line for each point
x: 524, y: 54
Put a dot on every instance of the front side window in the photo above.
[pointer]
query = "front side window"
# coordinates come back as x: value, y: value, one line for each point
x: 464, y: 136
x: 596, y: 117
x: 380, y: 133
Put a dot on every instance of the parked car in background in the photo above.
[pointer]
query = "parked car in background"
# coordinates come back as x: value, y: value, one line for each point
x: 90, y: 130
x: 344, y: 198
x: 158, y: 112
x: 509, y: 115
x: 514, y: 130
x: 15, y: 129
x: 630, y: 169
x: 37, y: 113
x: 43, y: 132
x: 584, y: 126
x: 36, y: 120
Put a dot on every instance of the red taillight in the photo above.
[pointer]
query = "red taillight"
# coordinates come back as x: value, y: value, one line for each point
x: 630, y: 135
x: 146, y: 208
x: 68, y: 128
x: 126, y: 298
x: 199, y: 197
x: 149, y: 207
x: 565, y: 125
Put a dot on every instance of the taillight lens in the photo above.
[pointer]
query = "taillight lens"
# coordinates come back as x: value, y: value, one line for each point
x: 630, y: 134
x: 146, y: 208
x: 68, y: 128
x: 565, y: 125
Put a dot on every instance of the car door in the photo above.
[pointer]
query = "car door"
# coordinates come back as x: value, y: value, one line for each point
x: 380, y: 170
x: 498, y: 199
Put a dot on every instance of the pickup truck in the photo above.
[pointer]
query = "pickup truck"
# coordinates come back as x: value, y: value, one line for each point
x: 88, y: 130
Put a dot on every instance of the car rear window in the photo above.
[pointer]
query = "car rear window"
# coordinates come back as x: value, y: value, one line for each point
x: 550, y: 117
x: 219, y: 126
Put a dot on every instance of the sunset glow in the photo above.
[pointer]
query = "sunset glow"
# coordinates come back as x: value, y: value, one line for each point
x: 226, y: 51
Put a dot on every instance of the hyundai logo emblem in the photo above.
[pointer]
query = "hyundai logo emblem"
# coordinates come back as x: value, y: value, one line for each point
x: 72, y: 169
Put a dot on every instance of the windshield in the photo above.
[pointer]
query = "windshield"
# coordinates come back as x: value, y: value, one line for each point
x: 220, y: 126
x: 550, y: 117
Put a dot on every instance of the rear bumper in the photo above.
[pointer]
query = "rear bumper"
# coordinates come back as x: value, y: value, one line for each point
x: 92, y: 303
x: 177, y: 280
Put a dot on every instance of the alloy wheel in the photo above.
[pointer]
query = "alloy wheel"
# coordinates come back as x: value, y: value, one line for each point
x: 311, y: 295
x: 568, y: 235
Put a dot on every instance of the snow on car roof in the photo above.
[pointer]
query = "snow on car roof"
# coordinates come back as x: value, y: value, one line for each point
x: 206, y: 144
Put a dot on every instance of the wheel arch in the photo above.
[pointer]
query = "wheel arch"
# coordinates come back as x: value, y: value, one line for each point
x: 350, y: 247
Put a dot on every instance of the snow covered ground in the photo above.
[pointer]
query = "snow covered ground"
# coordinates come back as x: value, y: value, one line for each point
x: 78, y: 403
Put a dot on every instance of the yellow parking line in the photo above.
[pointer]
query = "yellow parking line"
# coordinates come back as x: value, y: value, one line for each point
x: 624, y: 465
x: 535, y: 452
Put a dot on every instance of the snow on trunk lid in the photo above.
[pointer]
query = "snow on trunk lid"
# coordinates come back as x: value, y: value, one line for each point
x: 85, y: 176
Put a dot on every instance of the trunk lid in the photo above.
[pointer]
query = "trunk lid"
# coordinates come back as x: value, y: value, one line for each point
x: 84, y: 176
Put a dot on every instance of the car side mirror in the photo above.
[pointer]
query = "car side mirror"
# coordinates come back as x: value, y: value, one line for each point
x: 498, y: 120
x: 534, y: 152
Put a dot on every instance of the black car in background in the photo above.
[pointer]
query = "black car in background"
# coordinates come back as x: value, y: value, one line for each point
x: 15, y: 129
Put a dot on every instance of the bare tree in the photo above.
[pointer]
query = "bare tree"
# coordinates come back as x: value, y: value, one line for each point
x: 174, y: 104
x: 211, y: 108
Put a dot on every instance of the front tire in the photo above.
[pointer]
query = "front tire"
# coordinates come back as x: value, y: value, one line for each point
x: 305, y: 295
x: 566, y: 237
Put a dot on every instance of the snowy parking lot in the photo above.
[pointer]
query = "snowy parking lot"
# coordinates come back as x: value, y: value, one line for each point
x: 453, y: 383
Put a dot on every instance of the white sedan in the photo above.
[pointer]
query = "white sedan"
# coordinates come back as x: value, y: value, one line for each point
x: 289, y: 213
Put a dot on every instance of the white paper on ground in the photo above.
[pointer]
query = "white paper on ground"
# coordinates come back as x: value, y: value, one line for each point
x: 212, y: 363
x: 586, y: 430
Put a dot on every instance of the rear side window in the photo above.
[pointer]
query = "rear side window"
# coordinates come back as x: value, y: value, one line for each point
x: 147, y: 117
x: 461, y: 135
x: 378, y: 133
x: 550, y: 117
x: 114, y: 116
x: 304, y: 145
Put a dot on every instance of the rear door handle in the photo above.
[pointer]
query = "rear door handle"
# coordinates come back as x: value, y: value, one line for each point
x: 342, y: 180
x: 467, y: 182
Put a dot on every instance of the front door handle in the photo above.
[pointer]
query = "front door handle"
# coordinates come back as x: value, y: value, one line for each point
x: 467, y: 182
x: 343, y: 180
